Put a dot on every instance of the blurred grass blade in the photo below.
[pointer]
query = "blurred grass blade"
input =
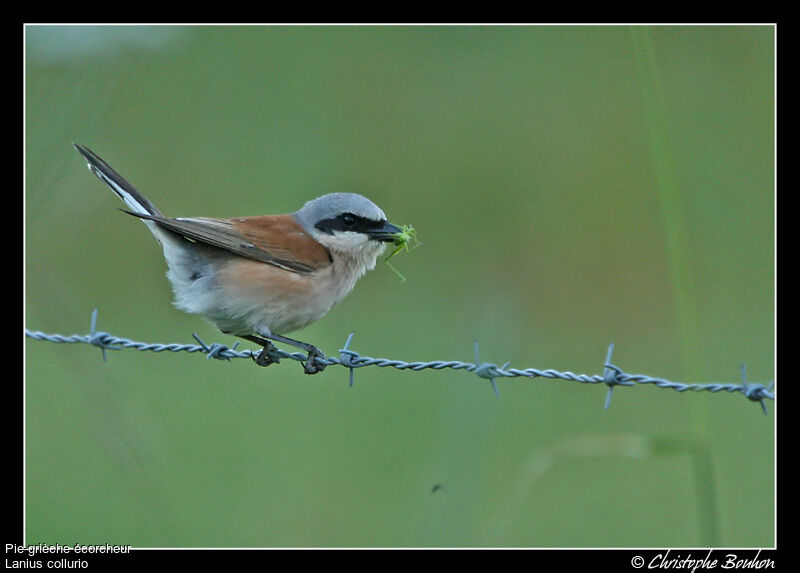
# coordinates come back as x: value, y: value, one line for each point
x: 655, y: 116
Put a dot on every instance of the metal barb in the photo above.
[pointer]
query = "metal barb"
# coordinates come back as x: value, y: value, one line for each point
x: 610, y: 373
x: 98, y: 339
x: 755, y: 392
x: 216, y: 350
x: 486, y: 370
x: 347, y: 357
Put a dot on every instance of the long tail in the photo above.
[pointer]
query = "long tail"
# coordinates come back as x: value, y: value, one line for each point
x: 124, y: 190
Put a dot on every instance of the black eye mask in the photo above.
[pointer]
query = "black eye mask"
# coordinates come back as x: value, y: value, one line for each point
x: 348, y: 222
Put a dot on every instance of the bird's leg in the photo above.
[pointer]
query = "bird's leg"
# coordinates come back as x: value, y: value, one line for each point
x: 311, y: 365
x: 263, y: 358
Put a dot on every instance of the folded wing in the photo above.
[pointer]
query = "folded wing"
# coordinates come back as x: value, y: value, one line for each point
x: 273, y: 239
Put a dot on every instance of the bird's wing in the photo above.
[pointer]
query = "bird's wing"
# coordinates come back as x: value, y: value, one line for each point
x: 274, y: 239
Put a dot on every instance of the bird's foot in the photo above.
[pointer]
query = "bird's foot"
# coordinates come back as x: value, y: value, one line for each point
x: 264, y: 358
x: 313, y: 365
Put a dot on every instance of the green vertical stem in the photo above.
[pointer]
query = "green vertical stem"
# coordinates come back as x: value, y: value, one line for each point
x: 678, y: 258
x: 703, y: 466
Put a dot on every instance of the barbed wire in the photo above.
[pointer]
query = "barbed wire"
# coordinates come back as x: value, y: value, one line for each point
x: 612, y: 375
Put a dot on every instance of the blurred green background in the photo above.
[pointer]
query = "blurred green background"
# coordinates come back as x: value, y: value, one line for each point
x: 572, y: 186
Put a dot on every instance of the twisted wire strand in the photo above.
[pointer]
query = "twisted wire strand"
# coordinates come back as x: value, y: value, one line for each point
x: 612, y: 375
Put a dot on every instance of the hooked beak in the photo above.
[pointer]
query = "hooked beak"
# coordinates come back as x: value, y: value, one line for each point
x: 385, y: 233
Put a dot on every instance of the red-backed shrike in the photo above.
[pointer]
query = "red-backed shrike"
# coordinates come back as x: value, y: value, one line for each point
x: 261, y: 277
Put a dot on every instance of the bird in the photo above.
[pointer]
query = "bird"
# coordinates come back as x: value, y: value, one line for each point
x: 262, y: 277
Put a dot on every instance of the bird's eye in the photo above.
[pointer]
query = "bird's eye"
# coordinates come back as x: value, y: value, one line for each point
x: 348, y: 219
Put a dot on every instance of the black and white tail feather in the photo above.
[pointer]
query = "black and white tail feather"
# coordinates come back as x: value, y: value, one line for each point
x: 124, y: 190
x: 140, y: 206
